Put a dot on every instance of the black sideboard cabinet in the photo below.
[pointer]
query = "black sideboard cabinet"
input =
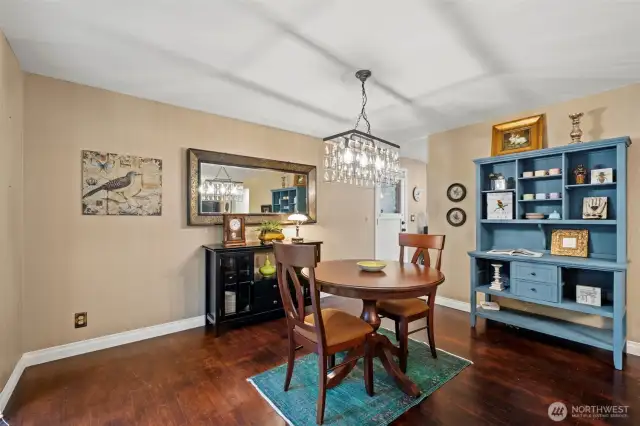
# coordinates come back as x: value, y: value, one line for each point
x: 235, y: 291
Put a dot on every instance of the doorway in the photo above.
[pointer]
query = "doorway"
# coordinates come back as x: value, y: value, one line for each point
x: 390, y: 206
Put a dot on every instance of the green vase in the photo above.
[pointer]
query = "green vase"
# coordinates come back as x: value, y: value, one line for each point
x: 267, y: 269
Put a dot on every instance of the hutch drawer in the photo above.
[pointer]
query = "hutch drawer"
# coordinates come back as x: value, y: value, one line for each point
x: 536, y: 290
x: 531, y: 272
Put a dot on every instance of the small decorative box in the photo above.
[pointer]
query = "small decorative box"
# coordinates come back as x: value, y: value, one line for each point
x: 539, y: 173
x: 589, y: 295
x: 527, y: 196
x: 541, y: 196
x: 527, y: 174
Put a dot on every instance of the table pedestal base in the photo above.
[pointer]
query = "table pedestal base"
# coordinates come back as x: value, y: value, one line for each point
x: 385, y: 350
x: 377, y: 346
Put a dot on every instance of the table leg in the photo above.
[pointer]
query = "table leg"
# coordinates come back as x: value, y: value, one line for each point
x: 384, y: 352
x: 384, y: 349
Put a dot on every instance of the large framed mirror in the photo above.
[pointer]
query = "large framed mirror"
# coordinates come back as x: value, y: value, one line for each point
x: 261, y: 189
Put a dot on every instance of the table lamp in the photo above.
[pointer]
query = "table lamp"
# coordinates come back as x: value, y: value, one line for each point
x: 299, y: 219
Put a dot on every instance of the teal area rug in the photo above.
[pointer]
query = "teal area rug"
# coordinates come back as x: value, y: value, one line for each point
x: 348, y: 403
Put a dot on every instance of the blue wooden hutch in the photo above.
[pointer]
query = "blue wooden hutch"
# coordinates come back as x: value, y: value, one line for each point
x: 289, y: 200
x: 551, y: 280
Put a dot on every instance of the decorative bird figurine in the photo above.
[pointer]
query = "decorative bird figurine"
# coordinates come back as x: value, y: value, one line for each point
x: 115, y: 185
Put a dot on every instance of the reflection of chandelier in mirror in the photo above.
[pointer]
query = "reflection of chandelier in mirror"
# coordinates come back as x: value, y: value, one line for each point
x: 221, y: 188
x: 360, y: 158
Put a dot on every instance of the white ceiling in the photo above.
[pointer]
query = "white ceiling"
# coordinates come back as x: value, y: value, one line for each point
x: 289, y: 63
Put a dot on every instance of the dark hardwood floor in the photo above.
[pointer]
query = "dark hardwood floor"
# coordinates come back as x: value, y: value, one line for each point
x: 192, y: 378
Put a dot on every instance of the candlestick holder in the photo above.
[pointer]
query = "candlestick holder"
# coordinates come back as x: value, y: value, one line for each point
x: 576, y: 132
x: 497, y: 283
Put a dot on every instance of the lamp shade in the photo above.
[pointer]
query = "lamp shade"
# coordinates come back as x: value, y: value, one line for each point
x: 298, y: 217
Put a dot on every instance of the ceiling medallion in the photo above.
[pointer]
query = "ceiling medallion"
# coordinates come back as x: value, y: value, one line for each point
x: 359, y: 158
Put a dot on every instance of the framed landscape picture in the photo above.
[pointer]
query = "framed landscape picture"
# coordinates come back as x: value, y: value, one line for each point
x: 516, y: 136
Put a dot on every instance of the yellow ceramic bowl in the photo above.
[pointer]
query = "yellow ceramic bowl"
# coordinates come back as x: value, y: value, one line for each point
x: 371, y: 265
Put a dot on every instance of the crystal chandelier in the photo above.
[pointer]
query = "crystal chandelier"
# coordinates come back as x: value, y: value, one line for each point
x: 221, y: 188
x: 360, y: 158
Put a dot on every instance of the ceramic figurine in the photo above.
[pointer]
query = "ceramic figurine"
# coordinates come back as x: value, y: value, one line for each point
x: 581, y: 174
x: 555, y: 215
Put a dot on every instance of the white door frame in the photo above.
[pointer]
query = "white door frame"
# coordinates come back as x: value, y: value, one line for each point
x: 376, y: 209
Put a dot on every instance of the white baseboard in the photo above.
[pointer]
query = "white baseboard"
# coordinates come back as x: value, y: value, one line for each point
x: 85, y: 346
x: 633, y: 348
x: 109, y: 341
x: 11, y: 383
x: 453, y: 303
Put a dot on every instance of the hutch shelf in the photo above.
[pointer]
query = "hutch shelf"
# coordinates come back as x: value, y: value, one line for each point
x: 550, y: 281
x: 236, y: 292
x: 289, y: 200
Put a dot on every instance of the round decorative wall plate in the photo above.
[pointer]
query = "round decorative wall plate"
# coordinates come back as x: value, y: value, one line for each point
x: 417, y: 193
x: 456, y: 192
x: 456, y: 217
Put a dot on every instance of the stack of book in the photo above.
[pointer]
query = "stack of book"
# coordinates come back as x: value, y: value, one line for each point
x: 489, y: 306
x: 497, y: 285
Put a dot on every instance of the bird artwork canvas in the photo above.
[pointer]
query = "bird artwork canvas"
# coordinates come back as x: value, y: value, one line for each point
x: 121, y: 185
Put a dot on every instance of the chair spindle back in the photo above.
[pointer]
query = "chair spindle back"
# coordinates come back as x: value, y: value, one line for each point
x: 289, y: 257
x: 422, y: 243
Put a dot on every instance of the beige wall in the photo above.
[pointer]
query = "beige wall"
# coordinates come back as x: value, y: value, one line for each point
x: 11, y: 218
x: 131, y: 272
x: 260, y: 187
x: 416, y: 177
x: 608, y: 114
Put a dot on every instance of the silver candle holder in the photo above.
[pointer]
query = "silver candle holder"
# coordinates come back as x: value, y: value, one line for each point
x: 576, y: 132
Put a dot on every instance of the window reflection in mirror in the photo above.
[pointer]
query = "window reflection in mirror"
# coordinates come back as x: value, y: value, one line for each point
x: 230, y: 189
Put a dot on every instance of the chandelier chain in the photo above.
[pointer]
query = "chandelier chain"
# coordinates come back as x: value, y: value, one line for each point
x: 363, y: 113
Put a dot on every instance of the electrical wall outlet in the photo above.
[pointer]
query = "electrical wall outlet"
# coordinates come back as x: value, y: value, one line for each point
x: 80, y: 319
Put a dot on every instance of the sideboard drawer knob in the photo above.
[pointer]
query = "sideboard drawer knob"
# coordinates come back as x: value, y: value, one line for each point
x: 275, y: 302
x: 534, y: 290
x: 275, y: 286
x: 533, y: 273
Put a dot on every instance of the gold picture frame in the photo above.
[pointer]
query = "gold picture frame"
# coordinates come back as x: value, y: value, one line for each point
x: 517, y: 136
x: 570, y: 242
x: 300, y: 180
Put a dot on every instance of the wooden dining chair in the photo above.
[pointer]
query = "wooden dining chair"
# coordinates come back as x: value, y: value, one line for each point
x: 324, y: 331
x: 404, y: 311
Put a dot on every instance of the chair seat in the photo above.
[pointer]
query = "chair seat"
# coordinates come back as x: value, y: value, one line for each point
x: 339, y: 327
x: 403, y: 307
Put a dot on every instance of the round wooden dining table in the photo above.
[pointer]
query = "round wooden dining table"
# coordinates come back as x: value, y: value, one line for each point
x: 396, y: 281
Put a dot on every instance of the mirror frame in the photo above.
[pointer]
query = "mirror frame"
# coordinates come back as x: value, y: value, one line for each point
x: 195, y: 157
